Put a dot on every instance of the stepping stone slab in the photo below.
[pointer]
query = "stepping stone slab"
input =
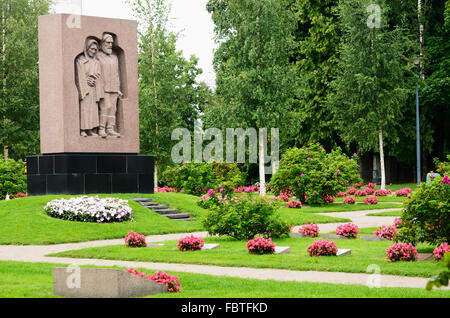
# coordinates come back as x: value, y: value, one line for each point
x: 102, y: 283
x: 140, y: 199
x: 334, y: 237
x: 154, y: 245
x: 210, y: 246
x: 372, y: 238
x: 298, y: 235
x: 147, y: 204
x: 282, y: 249
x: 342, y: 252
x: 424, y: 257
x: 188, y: 219
x: 159, y: 207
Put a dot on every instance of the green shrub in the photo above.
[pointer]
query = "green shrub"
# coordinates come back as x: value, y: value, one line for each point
x: 243, y: 218
x: 426, y: 217
x: 198, y: 178
x: 312, y: 174
x: 13, y: 177
x: 443, y: 167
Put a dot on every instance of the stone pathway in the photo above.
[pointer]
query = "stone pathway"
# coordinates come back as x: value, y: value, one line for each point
x: 37, y: 254
x: 163, y: 210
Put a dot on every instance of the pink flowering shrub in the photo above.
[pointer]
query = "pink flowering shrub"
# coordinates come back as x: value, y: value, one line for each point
x: 328, y: 199
x: 401, y: 252
x: 322, y: 248
x: 357, y: 186
x: 309, y: 230
x: 403, y: 192
x: 446, y: 180
x: 190, y: 243
x: 283, y: 197
x: 249, y: 189
x: 167, y: 189
x: 260, y: 245
x: 341, y: 194
x: 18, y: 195
x: 369, y: 191
x: 397, y: 223
x: 360, y: 193
x: 172, y: 282
x: 371, y: 200
x: 349, y: 230
x: 370, y: 185
x: 382, y: 193
x: 349, y: 200
x: 294, y: 204
x: 135, y: 240
x: 386, y: 232
x: 439, y: 251
x: 351, y: 191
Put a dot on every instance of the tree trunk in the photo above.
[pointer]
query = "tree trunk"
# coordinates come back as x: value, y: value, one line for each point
x: 5, y: 152
x: 156, y: 113
x: 4, y: 14
x: 383, y: 173
x: 262, y: 173
x: 421, y: 38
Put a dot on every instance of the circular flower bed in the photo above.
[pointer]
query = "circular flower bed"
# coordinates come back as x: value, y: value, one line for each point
x: 371, y: 200
x: 310, y: 230
x: 401, y: 252
x: 348, y: 230
x: 294, y: 204
x: 322, y: 248
x: 135, y: 240
x: 90, y: 209
x: 261, y: 246
x: 172, y: 282
x: 387, y: 232
x: 349, y: 200
x: 403, y: 192
x: 439, y: 251
x: 190, y: 243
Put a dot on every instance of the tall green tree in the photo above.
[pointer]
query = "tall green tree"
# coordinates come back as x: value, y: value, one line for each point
x: 318, y: 38
x: 169, y: 94
x: 19, y: 76
x: 255, y: 79
x: 370, y: 91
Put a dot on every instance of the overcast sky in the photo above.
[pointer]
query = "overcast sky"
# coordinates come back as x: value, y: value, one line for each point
x: 188, y: 16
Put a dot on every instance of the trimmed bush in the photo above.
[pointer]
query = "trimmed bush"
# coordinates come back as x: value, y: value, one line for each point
x: 310, y: 230
x: 198, y: 178
x: 387, y: 232
x: 294, y: 204
x: 322, y: 248
x: 172, y: 282
x: 401, y: 252
x: 313, y: 174
x: 190, y: 243
x: 135, y: 240
x: 440, y: 251
x: 244, y: 218
x: 349, y: 230
x: 349, y: 200
x: 13, y: 177
x: 371, y: 200
x: 260, y: 246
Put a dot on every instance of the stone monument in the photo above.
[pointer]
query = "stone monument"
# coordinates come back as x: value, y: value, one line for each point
x: 89, y: 109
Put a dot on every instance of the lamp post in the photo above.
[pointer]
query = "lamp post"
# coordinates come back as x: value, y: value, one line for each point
x: 417, y: 63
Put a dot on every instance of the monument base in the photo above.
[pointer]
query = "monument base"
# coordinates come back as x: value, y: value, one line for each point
x: 89, y: 173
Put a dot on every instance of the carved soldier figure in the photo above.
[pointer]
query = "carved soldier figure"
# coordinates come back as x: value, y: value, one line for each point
x: 111, y: 85
x: 89, y: 87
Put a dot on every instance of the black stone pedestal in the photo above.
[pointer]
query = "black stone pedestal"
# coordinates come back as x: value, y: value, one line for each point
x: 89, y: 173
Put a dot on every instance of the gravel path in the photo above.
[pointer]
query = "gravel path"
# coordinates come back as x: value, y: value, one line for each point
x: 37, y: 254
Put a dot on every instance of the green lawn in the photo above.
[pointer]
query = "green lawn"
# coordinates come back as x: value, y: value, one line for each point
x: 24, y: 221
x: 234, y: 253
x: 35, y: 280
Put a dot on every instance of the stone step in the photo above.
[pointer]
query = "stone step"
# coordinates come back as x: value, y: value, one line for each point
x: 147, y: 204
x: 177, y: 216
x: 188, y: 219
x: 168, y: 211
x: 140, y: 199
x: 159, y: 207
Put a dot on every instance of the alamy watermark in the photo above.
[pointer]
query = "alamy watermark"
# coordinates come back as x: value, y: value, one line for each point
x: 374, y: 280
x: 74, y: 8
x: 374, y: 19
x: 74, y: 279
x: 247, y: 141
